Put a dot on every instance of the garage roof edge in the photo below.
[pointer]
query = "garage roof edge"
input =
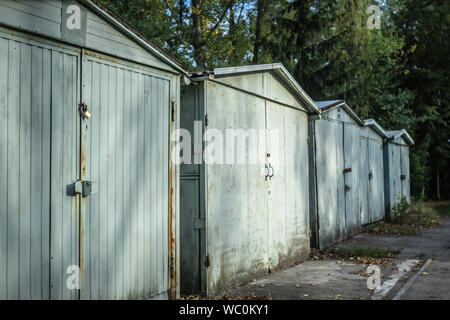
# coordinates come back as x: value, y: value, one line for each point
x: 281, y: 71
x: 101, y: 9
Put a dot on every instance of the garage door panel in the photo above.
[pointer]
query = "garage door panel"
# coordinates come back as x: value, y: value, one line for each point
x: 38, y: 85
x: 125, y: 254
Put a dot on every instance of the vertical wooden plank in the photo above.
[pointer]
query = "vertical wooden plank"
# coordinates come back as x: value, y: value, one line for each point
x: 25, y: 162
x: 37, y: 145
x: 159, y: 196
x: 165, y: 170
x: 147, y: 185
x: 140, y: 183
x: 86, y: 260
x: 103, y: 181
x: 94, y: 136
x: 340, y: 160
x: 46, y: 172
x: 68, y: 150
x: 4, y: 66
x: 134, y: 184
x: 13, y: 170
x: 119, y: 185
x: 75, y: 163
x: 127, y: 186
x: 56, y: 179
x: 111, y: 212
x: 154, y: 183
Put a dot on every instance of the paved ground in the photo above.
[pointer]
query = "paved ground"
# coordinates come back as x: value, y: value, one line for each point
x: 335, y: 279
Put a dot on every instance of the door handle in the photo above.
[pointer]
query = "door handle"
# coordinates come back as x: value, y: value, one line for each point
x: 273, y: 172
x: 267, y: 172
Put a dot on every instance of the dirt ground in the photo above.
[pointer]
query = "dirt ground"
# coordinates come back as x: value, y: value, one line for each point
x: 333, y: 278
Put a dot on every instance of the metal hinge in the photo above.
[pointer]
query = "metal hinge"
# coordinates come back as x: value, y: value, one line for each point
x: 206, y: 120
x: 207, y: 262
x: 173, y: 110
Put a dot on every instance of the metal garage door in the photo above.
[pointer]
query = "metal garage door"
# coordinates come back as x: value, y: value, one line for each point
x: 124, y: 252
x: 119, y: 234
x: 38, y: 160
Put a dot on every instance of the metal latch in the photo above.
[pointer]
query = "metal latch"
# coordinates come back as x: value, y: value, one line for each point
x: 85, y: 188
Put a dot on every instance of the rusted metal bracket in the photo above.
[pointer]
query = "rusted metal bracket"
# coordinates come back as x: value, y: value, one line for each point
x: 85, y: 188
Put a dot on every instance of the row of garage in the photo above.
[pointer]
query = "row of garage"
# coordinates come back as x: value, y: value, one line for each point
x: 92, y: 205
x: 331, y: 173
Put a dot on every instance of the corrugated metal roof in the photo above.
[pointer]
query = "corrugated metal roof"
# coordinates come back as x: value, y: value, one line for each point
x: 278, y: 69
x: 400, y: 133
x: 133, y: 33
x: 326, y: 106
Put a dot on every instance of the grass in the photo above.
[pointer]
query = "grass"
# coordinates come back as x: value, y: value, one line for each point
x: 377, y: 253
x: 412, y: 223
x: 364, y: 256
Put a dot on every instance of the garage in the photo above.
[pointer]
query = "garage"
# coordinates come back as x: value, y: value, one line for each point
x: 87, y: 105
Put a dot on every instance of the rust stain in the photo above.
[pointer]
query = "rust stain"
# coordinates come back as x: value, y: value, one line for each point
x: 99, y: 56
x: 172, y: 251
x: 83, y: 200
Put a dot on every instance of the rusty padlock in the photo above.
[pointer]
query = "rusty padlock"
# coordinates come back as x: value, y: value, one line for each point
x: 84, y: 111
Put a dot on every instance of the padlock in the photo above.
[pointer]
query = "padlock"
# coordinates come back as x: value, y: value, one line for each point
x: 84, y: 111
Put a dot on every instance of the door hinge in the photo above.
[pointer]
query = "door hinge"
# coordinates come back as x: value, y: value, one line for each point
x: 172, y: 110
x: 207, y: 262
x: 206, y: 120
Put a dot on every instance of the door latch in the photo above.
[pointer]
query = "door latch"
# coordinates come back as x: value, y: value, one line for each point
x: 85, y: 188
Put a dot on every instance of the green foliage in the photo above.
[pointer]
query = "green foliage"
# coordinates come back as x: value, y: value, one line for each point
x: 411, y: 223
x: 398, y: 75
x: 400, y: 207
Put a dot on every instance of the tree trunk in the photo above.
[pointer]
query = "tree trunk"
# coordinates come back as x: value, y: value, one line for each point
x: 233, y: 58
x: 197, y: 42
x: 261, y: 7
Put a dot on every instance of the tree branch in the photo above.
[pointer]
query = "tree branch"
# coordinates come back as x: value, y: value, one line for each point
x: 169, y: 7
x: 230, y: 4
